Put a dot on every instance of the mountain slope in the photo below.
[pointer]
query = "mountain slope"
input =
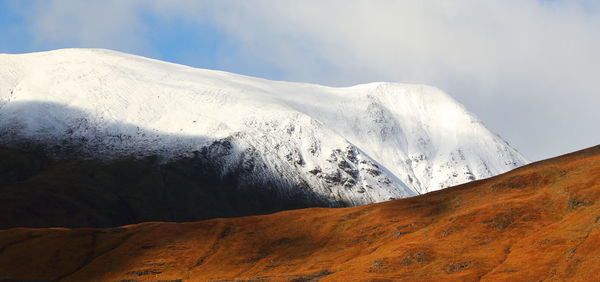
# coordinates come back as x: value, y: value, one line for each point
x: 38, y: 191
x: 353, y: 145
x: 537, y: 222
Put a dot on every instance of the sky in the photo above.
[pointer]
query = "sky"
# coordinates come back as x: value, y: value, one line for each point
x: 529, y: 69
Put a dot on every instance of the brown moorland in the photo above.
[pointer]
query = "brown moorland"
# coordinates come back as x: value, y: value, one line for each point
x: 537, y: 222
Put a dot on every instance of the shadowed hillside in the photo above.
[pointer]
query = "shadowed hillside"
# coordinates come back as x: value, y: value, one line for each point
x: 538, y: 222
x: 37, y: 191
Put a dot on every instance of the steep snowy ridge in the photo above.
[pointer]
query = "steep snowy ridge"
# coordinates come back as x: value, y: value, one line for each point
x: 352, y: 145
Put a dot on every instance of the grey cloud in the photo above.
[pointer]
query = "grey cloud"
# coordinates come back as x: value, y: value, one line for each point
x: 105, y: 24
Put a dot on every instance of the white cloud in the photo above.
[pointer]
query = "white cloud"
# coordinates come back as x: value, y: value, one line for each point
x: 527, y: 68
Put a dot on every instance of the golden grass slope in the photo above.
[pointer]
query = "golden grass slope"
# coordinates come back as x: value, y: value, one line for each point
x: 538, y: 222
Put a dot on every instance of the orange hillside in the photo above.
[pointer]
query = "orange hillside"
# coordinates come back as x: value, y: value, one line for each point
x: 537, y: 222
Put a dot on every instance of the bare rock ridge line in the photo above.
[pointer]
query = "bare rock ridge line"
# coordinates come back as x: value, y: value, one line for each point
x: 352, y: 145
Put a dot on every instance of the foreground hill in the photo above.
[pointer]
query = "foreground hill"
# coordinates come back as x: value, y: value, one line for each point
x: 537, y: 222
x: 332, y: 146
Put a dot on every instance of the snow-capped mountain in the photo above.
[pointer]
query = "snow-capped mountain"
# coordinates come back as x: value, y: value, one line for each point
x: 352, y: 145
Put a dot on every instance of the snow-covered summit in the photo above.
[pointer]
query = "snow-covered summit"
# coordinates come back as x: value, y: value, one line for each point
x: 359, y: 144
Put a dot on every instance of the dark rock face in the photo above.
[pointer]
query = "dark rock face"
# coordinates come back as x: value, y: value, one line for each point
x: 39, y: 191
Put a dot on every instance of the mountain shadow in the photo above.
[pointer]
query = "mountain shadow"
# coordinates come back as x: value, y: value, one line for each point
x: 59, y: 182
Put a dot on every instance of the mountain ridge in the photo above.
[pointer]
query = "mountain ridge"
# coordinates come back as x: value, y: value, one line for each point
x: 360, y: 144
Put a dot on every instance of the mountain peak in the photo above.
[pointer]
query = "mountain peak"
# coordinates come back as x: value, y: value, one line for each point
x: 360, y: 144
